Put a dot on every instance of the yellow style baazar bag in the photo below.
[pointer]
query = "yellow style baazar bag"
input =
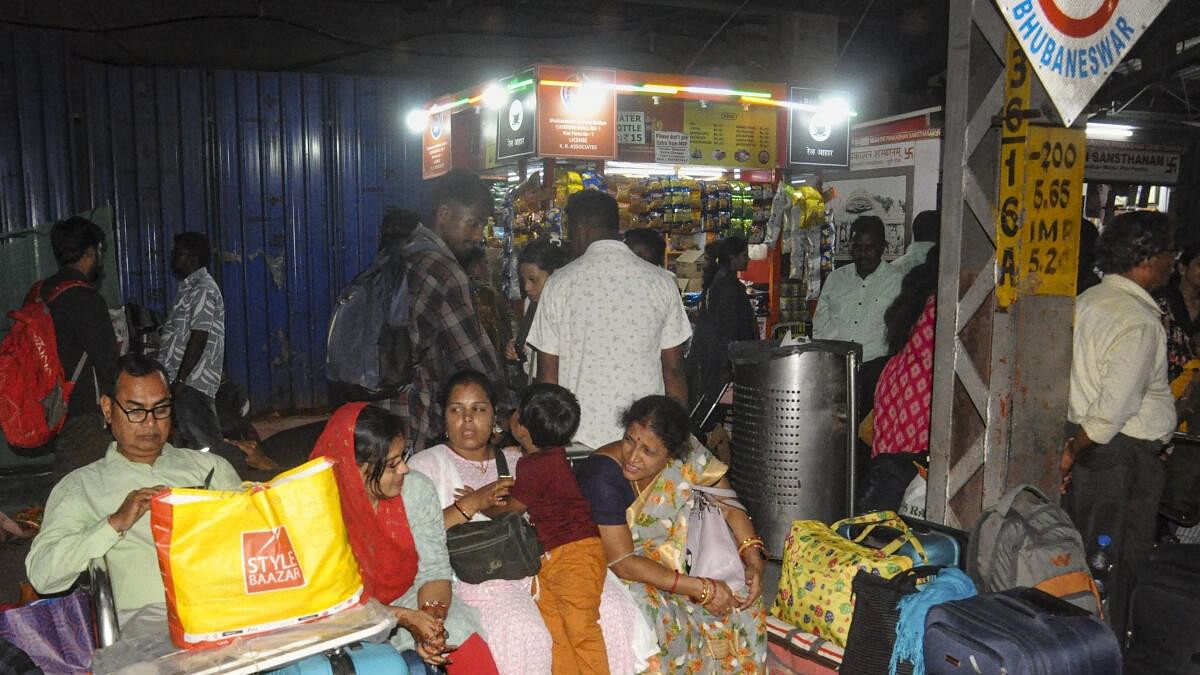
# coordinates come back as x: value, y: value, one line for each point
x: 238, y: 563
x: 819, y: 567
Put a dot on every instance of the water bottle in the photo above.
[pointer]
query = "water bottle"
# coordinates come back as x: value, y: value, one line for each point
x: 1100, y: 563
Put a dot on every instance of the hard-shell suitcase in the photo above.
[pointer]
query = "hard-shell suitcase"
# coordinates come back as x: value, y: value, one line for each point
x: 362, y: 658
x: 1164, y: 614
x: 943, y: 545
x: 1022, y: 631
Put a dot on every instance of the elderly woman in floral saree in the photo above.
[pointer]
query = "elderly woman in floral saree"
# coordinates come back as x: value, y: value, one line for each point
x: 641, y: 494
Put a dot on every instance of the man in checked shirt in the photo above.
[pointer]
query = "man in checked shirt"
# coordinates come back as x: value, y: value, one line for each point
x: 444, y: 326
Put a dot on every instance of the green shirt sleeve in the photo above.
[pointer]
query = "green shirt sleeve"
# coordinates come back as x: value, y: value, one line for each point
x: 429, y: 534
x: 71, y: 536
x: 225, y: 477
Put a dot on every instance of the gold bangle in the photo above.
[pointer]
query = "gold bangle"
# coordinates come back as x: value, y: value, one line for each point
x: 460, y: 510
x: 749, y: 542
x: 712, y: 592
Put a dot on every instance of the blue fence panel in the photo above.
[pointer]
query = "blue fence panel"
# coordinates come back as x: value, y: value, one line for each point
x: 289, y: 175
x: 315, y: 234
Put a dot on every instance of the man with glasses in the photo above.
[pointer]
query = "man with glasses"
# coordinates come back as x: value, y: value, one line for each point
x: 99, y: 510
x: 1121, y: 412
x: 87, y: 344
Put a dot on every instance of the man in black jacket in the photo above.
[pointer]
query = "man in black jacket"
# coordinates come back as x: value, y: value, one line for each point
x: 85, y: 333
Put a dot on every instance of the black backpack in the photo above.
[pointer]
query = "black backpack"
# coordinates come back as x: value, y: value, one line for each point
x: 368, y: 347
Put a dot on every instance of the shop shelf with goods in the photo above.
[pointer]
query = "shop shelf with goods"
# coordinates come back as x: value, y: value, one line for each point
x: 695, y: 158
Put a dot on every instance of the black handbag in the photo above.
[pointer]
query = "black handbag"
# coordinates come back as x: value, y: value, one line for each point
x: 872, y: 635
x: 505, y: 547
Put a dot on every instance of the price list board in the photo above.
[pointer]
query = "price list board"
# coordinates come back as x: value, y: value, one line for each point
x: 1041, y: 201
x: 722, y: 134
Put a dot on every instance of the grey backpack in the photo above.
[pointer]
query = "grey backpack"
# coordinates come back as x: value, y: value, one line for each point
x: 1027, y: 540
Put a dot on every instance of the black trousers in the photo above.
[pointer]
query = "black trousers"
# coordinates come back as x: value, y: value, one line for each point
x: 888, y: 476
x: 197, y: 426
x: 1115, y: 490
x: 868, y: 377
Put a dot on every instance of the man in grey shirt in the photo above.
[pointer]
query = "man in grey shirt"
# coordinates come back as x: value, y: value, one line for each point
x: 193, y: 349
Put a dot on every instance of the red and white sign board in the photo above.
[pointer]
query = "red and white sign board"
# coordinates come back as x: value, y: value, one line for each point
x: 1074, y: 45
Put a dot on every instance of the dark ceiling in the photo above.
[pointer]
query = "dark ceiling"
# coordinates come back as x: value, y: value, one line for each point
x: 890, y: 54
x: 884, y: 51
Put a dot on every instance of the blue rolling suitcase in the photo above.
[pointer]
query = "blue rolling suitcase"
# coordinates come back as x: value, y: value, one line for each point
x: 363, y: 658
x: 1022, y: 631
x: 943, y: 545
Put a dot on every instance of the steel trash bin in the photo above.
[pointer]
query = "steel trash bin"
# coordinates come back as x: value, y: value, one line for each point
x: 794, y: 410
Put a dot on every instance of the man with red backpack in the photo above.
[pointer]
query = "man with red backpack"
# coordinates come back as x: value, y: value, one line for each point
x: 85, y: 335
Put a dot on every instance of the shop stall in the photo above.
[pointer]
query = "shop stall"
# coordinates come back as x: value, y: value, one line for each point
x: 894, y: 173
x: 693, y: 158
x: 1128, y: 168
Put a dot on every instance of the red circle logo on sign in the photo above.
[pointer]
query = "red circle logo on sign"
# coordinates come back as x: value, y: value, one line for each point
x: 1082, y: 27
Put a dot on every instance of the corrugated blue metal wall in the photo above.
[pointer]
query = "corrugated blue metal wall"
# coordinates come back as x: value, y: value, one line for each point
x: 289, y: 174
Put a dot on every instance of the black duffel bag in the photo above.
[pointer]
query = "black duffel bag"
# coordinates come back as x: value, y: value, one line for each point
x: 505, y: 547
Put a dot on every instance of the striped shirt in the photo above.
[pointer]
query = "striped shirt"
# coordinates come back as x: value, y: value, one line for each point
x: 198, y: 307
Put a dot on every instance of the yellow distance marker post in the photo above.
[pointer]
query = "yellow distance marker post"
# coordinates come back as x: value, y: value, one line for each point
x: 1054, y: 206
x: 1014, y: 143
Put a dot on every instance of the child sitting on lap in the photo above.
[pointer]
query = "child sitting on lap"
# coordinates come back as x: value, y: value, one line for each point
x: 574, y: 566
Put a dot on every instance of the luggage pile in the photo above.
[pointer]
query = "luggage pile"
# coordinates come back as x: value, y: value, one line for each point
x: 880, y: 594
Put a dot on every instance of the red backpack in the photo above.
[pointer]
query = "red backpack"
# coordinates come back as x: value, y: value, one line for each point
x: 33, y: 388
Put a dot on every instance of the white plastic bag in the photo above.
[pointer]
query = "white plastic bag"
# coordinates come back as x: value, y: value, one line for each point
x: 913, y: 503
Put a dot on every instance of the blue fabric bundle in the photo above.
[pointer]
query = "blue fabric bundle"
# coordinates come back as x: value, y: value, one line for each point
x: 949, y: 584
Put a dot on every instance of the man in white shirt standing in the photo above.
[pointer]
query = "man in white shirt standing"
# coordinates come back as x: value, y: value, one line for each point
x: 926, y: 228
x: 853, y: 301
x: 609, y: 326
x: 1121, y: 411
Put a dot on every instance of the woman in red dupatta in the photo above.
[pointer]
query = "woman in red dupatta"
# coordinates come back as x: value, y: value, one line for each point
x: 394, y: 523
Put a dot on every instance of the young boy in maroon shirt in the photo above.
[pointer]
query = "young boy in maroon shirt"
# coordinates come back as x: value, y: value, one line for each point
x: 574, y: 566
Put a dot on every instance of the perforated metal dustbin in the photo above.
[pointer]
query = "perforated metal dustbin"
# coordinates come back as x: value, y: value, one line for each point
x: 793, y: 432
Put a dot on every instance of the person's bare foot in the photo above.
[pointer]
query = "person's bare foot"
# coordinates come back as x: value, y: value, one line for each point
x: 255, y: 457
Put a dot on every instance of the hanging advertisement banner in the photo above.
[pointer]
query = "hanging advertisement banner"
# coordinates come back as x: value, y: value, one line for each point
x: 577, y: 114
x: 1115, y: 162
x: 670, y: 147
x: 631, y: 127
x: 816, y: 138
x: 516, y: 123
x: 732, y: 135
x: 435, y: 142
x: 1074, y: 45
x: 666, y: 115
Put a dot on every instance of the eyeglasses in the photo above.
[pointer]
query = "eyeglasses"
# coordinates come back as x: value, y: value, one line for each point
x: 138, y: 415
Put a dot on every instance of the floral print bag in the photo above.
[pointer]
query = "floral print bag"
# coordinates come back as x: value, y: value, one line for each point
x: 819, y: 567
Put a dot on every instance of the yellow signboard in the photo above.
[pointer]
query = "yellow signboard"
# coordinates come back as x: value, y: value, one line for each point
x: 724, y: 134
x: 1017, y: 82
x: 1041, y: 200
x: 1053, y: 206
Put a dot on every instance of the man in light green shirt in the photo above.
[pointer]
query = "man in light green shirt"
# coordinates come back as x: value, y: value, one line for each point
x: 99, y: 510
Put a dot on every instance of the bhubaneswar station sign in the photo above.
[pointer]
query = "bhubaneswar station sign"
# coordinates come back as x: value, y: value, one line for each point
x: 1074, y: 45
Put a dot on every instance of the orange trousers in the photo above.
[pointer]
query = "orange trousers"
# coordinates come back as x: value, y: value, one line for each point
x: 569, y: 587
